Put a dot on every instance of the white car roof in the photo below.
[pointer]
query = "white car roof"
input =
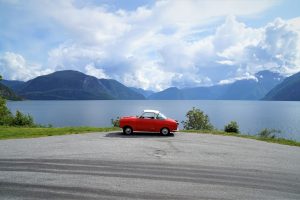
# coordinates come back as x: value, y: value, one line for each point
x: 154, y: 111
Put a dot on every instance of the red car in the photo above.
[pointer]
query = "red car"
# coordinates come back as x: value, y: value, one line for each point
x: 149, y: 121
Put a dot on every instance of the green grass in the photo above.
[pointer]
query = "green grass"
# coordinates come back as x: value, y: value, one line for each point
x: 255, y: 137
x: 24, y: 132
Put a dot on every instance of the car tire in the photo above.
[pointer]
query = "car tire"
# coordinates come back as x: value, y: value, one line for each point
x: 127, y: 130
x: 165, y: 131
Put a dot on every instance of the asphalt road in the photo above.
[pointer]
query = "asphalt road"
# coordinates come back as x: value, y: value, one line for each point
x: 147, y: 166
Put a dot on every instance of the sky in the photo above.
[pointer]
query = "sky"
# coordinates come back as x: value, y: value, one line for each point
x: 150, y: 44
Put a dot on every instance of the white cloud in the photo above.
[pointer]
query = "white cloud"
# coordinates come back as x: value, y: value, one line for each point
x: 274, y: 47
x: 189, y: 13
x: 246, y: 76
x: 171, y: 43
x: 91, y: 70
x: 14, y: 67
x: 71, y: 55
x: 133, y: 46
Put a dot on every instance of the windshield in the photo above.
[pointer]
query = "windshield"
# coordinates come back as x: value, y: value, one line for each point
x: 161, y: 116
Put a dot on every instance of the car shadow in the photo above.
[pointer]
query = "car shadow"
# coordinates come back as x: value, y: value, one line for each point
x: 137, y: 135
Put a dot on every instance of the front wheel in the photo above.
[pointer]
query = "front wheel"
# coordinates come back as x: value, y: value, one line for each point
x: 165, y: 131
x: 127, y: 130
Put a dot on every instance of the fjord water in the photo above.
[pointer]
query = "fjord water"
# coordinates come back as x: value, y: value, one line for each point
x: 252, y: 116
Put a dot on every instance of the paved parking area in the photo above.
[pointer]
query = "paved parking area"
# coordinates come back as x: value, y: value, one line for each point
x: 147, y: 166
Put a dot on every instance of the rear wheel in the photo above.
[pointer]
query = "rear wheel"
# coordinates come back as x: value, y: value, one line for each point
x: 165, y: 131
x: 127, y: 130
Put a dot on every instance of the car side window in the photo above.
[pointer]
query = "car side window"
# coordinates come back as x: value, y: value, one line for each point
x: 148, y: 115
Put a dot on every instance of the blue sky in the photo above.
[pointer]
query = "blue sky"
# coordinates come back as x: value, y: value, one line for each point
x: 150, y: 44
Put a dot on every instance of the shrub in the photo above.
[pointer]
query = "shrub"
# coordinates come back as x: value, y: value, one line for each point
x: 232, y: 127
x: 22, y: 120
x: 5, y: 115
x: 196, y: 120
x: 268, y: 133
x: 8, y: 119
x: 115, y: 122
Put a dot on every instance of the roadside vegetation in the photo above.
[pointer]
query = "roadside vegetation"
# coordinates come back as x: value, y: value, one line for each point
x: 198, y: 122
x: 232, y: 127
x: 20, y: 125
x: 23, y: 126
x: 8, y: 119
x: 115, y: 122
x: 32, y: 132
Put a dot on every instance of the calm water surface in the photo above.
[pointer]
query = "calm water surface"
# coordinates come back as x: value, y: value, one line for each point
x: 252, y: 116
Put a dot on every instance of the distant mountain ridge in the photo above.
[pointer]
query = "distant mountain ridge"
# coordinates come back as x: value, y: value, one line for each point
x: 239, y: 90
x: 12, y: 84
x: 288, y: 90
x: 146, y: 93
x: 7, y: 93
x: 73, y: 85
x: 119, y: 91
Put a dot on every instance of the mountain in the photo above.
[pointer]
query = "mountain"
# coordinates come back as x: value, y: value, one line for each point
x: 7, y: 93
x: 74, y: 85
x: 168, y: 94
x: 174, y: 93
x: 212, y: 92
x: 145, y: 93
x: 14, y: 85
x: 252, y: 89
x: 240, y: 90
x: 118, y: 90
x: 288, y: 90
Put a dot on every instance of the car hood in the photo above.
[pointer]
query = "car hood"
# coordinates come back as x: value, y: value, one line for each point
x: 171, y: 120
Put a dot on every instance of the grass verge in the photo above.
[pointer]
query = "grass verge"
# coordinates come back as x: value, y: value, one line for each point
x: 255, y: 137
x: 24, y: 132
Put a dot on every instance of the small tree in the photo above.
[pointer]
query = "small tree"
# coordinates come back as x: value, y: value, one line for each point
x: 5, y: 115
x: 268, y: 133
x: 7, y: 118
x: 197, y: 120
x: 232, y: 127
x: 22, y: 120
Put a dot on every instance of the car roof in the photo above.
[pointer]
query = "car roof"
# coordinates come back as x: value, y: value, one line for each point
x: 154, y: 111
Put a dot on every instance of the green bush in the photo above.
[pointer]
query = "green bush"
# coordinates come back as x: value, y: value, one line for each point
x: 196, y: 120
x: 268, y: 133
x: 8, y: 119
x: 5, y: 115
x: 232, y: 127
x: 115, y: 122
x: 22, y: 120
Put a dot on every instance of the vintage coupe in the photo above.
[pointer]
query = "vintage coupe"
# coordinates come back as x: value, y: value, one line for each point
x: 149, y: 121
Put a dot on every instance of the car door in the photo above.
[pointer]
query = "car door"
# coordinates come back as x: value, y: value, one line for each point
x: 146, y: 122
